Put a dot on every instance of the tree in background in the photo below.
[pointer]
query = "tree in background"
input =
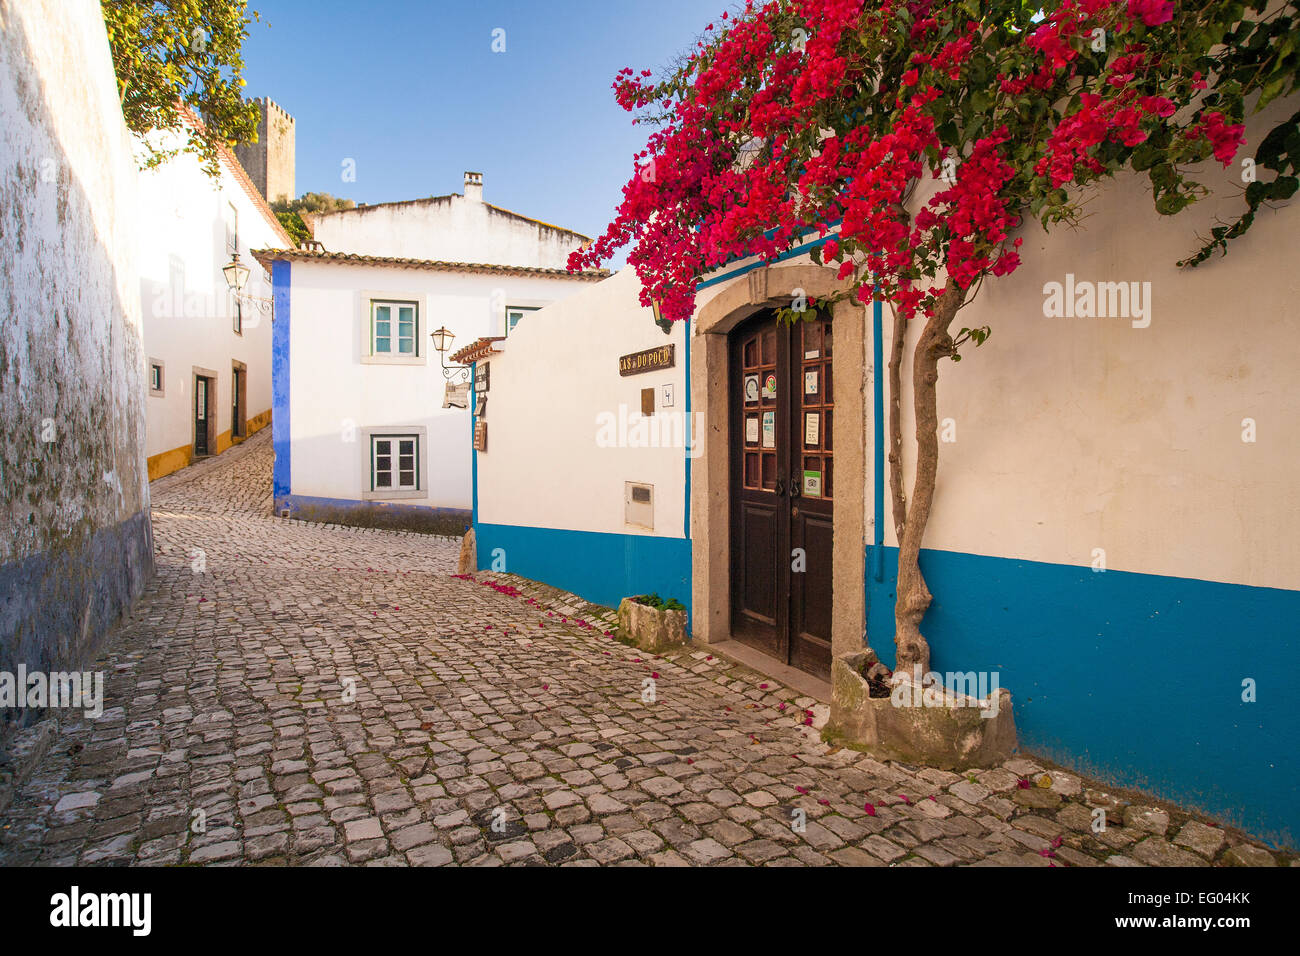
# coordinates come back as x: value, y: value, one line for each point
x: 313, y: 203
x: 182, y: 52
x: 797, y: 114
x: 289, y: 212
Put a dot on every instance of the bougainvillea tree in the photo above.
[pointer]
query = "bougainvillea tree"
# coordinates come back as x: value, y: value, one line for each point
x: 924, y: 135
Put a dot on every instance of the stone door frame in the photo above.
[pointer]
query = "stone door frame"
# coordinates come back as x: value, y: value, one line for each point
x: 764, y: 288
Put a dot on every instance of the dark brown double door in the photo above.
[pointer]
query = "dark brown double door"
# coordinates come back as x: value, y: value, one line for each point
x: 782, y: 489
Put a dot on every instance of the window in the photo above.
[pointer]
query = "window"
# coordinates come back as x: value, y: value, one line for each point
x: 516, y: 312
x: 232, y: 229
x: 237, y: 320
x: 155, y: 377
x: 392, y: 330
x: 394, y: 463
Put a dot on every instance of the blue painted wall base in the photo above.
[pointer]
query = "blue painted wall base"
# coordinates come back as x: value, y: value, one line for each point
x: 1135, y: 679
x: 603, y: 568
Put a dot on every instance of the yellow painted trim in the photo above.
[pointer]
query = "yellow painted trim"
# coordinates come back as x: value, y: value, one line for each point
x: 167, y: 462
x: 258, y: 422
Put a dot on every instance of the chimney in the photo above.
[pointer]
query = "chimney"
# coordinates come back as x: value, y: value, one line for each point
x: 474, y: 187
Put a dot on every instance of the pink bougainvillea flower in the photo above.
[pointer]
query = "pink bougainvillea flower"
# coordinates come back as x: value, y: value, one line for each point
x: 1023, y: 784
x: 824, y: 802
x: 807, y: 721
x: 655, y: 675
x: 903, y: 797
x: 762, y: 687
x: 546, y: 687
x: 870, y: 808
x: 803, y: 790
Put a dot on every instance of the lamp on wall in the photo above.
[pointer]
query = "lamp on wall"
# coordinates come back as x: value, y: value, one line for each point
x: 237, y: 274
x: 442, y: 340
x: 665, y: 325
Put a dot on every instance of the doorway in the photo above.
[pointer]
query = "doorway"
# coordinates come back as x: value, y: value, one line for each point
x: 782, y: 485
x: 238, y: 401
x: 205, y: 418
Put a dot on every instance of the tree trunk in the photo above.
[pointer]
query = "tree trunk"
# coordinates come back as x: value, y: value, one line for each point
x: 913, y: 595
x: 897, y: 499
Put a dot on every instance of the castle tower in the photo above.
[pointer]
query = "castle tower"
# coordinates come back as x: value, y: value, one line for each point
x: 270, y: 161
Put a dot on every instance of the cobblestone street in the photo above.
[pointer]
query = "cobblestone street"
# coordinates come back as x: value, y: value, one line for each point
x: 309, y: 694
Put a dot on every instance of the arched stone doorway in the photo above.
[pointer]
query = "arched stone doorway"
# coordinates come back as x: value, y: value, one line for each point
x: 715, y: 486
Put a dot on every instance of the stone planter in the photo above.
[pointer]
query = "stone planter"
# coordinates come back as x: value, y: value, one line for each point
x: 929, y: 726
x: 653, y: 630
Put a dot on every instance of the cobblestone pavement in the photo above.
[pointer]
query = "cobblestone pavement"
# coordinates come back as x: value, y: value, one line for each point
x: 297, y: 693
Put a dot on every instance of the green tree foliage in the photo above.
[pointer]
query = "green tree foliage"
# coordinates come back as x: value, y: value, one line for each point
x: 294, y: 226
x: 313, y: 202
x: 169, y: 53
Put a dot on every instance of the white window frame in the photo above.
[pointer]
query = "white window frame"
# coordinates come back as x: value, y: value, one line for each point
x: 369, y: 300
x: 370, y: 491
x: 161, y: 390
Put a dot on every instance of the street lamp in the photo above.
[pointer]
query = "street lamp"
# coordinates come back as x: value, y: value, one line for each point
x: 236, y: 274
x: 442, y: 340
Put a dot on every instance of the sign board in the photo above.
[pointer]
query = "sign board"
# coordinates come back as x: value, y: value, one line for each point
x: 480, y: 436
x: 648, y: 360
x: 456, y: 395
x: 481, y: 377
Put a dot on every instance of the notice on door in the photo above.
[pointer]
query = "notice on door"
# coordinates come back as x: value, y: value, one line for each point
x: 812, y: 484
x: 769, y: 429
x: 812, y: 428
x: 751, y: 430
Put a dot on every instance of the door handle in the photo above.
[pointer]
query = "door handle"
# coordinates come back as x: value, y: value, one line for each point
x: 780, y: 487
x: 794, y: 489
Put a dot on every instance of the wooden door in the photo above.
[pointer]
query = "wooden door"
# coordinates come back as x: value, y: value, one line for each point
x: 202, y: 411
x: 238, y: 397
x: 781, y: 484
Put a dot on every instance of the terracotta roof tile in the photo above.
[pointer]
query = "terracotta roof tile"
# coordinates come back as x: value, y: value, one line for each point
x: 478, y: 349
x: 267, y: 256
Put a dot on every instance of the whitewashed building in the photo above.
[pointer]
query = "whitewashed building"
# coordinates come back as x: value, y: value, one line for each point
x: 372, y: 424
x: 453, y: 228
x: 1115, y: 522
x: 209, y: 351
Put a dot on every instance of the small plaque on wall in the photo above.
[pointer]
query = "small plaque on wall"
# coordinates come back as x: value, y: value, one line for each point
x: 480, y: 436
x: 480, y: 406
x: 481, y: 377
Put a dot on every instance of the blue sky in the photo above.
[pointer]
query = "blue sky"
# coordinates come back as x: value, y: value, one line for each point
x: 413, y: 92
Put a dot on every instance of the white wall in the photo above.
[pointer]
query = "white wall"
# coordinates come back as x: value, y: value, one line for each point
x: 449, y: 229
x: 74, y: 530
x: 544, y: 466
x: 188, y: 310
x: 1080, y: 433
x: 333, y: 395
